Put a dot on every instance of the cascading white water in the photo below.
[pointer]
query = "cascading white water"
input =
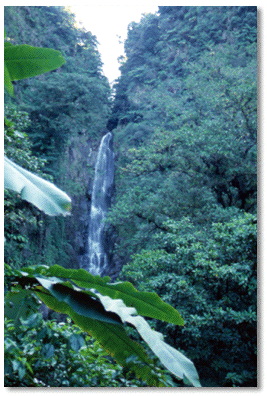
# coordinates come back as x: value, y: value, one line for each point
x: 96, y: 260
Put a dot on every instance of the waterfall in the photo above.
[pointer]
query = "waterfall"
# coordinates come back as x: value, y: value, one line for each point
x: 96, y: 261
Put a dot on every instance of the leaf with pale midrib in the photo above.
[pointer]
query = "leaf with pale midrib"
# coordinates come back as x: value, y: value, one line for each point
x: 172, y: 359
x: 112, y: 337
x: 41, y: 193
x: 94, y: 312
x: 146, y: 303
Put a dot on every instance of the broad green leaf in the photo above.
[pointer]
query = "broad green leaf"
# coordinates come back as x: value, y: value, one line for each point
x: 24, y: 61
x: 172, y: 359
x: 79, y: 301
x: 146, y: 303
x: 94, y: 315
x: 41, y: 193
x: 112, y: 337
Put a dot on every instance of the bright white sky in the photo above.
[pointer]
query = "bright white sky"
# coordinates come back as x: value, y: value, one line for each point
x: 107, y: 22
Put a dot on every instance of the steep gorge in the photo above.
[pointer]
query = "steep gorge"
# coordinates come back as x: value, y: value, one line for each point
x: 184, y: 120
x: 71, y: 107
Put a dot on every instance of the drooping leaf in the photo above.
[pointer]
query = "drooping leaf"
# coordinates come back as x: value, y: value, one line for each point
x: 112, y: 337
x: 24, y: 61
x: 172, y: 359
x: 94, y: 316
x: 79, y: 301
x: 146, y: 303
x: 85, y: 307
x: 41, y: 193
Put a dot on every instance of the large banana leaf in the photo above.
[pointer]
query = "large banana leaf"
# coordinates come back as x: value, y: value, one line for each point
x: 23, y: 61
x: 112, y: 337
x: 102, y: 317
x: 146, y: 303
x: 41, y: 193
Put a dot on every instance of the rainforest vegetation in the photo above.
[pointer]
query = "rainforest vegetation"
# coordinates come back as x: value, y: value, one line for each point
x: 183, y: 220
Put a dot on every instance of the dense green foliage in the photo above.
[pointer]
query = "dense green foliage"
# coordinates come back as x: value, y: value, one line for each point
x: 193, y: 148
x: 88, y: 309
x: 22, y: 221
x: 210, y: 277
x: 28, y: 233
x: 58, y: 354
x: 185, y: 126
x: 184, y: 119
x: 69, y: 101
x: 104, y: 310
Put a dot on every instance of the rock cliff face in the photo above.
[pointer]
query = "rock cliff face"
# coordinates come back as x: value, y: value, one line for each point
x: 81, y: 161
x: 77, y: 180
